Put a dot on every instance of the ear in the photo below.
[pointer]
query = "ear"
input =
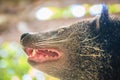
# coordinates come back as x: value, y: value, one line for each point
x: 102, y: 20
x: 104, y: 13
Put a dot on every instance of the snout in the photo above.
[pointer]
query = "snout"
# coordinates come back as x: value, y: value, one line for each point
x: 23, y: 36
x: 30, y: 39
x: 25, y: 39
x: 37, y: 39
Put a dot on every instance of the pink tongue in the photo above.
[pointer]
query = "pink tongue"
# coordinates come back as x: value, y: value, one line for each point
x: 44, y: 55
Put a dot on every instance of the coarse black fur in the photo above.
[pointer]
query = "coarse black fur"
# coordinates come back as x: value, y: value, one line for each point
x: 91, y: 49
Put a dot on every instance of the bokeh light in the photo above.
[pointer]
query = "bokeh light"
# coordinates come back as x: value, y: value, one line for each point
x: 43, y: 13
x: 95, y: 9
x: 77, y: 10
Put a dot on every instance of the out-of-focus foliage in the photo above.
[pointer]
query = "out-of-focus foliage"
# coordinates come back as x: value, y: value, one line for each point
x: 14, y: 66
x: 12, y: 61
x: 72, y: 11
x: 115, y: 8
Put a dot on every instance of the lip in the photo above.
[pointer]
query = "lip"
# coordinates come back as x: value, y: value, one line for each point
x: 41, y: 55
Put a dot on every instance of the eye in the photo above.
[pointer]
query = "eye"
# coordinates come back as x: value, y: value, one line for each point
x: 60, y: 30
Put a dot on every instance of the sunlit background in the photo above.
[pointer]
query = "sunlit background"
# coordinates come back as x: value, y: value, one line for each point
x: 18, y: 17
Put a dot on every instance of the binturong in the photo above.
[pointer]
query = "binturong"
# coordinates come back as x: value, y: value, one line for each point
x: 86, y: 50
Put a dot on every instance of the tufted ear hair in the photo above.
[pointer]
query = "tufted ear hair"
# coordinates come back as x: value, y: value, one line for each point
x: 104, y: 17
x: 103, y: 21
x: 104, y: 13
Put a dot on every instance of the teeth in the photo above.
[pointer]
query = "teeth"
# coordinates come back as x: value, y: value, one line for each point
x: 46, y: 56
x: 48, y: 50
x: 30, y: 56
x: 34, y: 52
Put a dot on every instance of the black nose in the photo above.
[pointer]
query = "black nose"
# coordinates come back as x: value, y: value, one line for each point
x: 23, y: 35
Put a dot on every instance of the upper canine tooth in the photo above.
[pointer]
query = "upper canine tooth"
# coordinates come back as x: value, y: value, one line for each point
x: 34, y: 52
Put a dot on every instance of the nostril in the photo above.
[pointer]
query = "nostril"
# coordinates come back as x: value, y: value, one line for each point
x: 23, y: 35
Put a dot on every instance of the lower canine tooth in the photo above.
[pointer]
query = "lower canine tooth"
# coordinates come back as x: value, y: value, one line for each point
x: 33, y: 53
x: 46, y: 56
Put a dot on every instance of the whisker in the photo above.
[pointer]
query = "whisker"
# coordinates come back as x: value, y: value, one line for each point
x: 91, y: 55
x: 45, y: 41
x: 95, y: 48
x: 86, y: 39
x: 51, y: 42
x: 51, y: 38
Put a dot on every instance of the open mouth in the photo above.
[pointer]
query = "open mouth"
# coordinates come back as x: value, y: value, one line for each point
x: 42, y: 55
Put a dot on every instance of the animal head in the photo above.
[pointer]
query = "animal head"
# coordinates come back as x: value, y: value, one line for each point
x: 88, y: 49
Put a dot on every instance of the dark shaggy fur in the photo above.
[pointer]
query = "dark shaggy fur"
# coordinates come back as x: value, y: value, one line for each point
x: 91, y: 49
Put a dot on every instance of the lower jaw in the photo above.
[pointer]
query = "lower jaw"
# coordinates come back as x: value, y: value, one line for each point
x: 40, y: 61
x: 32, y: 61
